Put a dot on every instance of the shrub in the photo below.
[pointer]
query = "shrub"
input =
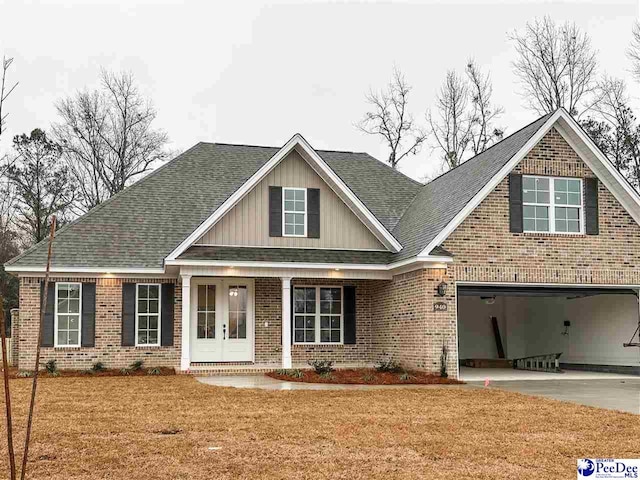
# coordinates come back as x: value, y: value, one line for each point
x: 326, y: 375
x: 55, y: 374
x: 125, y: 371
x: 321, y: 366
x: 98, y: 367
x: 24, y: 374
x: 51, y: 367
x: 154, y: 371
x: 368, y: 377
x: 389, y: 365
x: 137, y: 365
x: 405, y: 377
x: 88, y: 371
x: 290, y: 372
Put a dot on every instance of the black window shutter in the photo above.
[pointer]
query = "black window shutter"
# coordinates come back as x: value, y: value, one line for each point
x: 349, y: 293
x: 88, y: 334
x: 515, y: 203
x: 128, y: 314
x: 591, y: 206
x: 313, y: 212
x: 166, y: 334
x: 275, y: 211
x: 49, y: 312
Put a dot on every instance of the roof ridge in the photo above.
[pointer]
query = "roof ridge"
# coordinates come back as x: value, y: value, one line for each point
x: 100, y: 205
x: 278, y: 148
x: 484, y: 151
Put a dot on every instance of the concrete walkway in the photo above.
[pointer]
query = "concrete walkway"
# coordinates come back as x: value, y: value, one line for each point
x: 268, y: 383
x: 615, y: 392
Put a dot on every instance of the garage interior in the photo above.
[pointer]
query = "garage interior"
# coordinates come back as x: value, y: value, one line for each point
x: 589, y: 326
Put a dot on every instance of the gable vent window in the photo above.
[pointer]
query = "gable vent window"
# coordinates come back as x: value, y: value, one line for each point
x: 552, y: 205
x: 295, y: 212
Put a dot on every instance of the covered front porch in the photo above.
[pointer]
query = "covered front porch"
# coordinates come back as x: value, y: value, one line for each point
x: 232, y: 318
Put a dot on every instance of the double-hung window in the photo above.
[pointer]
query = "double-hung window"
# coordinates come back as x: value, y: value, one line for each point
x: 148, y: 314
x: 67, y: 314
x: 317, y: 315
x: 552, y: 205
x: 294, y: 218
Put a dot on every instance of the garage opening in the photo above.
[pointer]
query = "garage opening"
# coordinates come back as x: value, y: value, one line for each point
x: 588, y: 327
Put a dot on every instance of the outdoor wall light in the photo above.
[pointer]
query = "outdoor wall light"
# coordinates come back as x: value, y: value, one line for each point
x: 567, y: 324
x: 442, y: 289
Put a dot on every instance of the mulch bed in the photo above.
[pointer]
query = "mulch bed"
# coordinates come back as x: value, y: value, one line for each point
x: 109, y: 372
x: 367, y: 376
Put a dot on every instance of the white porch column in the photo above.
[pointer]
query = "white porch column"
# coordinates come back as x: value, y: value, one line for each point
x: 185, y: 360
x: 286, y: 322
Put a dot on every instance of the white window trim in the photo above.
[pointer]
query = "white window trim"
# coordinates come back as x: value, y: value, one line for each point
x: 144, y: 345
x: 552, y: 206
x: 317, y: 315
x: 284, y: 211
x: 55, y: 317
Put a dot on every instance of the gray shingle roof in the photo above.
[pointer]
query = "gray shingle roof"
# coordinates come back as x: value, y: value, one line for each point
x: 140, y: 226
x: 239, y: 254
x: 440, y: 200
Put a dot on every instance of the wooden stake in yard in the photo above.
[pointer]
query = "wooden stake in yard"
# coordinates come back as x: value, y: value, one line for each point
x: 34, y: 385
x: 7, y: 395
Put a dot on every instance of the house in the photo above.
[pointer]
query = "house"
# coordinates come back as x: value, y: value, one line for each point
x: 270, y: 257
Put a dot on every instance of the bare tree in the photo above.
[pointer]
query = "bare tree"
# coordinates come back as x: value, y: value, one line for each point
x: 614, y: 128
x: 463, y: 123
x: 390, y: 119
x: 633, y: 51
x: 5, y: 90
x: 483, y: 131
x: 42, y: 184
x: 107, y: 137
x: 556, y: 65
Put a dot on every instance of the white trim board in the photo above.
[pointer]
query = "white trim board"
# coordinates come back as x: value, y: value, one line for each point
x: 101, y: 270
x: 319, y: 166
x: 589, y: 153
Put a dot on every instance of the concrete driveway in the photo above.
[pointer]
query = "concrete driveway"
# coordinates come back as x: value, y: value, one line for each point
x: 615, y: 394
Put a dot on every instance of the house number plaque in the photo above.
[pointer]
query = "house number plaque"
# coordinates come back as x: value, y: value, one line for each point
x: 440, y: 307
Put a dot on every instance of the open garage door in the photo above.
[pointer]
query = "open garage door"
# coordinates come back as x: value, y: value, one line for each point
x: 588, y: 325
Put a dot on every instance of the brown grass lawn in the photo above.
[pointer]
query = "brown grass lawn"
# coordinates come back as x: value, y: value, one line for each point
x: 108, y: 427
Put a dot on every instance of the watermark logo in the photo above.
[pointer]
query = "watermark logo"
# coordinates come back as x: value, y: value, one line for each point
x: 608, y: 468
x: 586, y: 467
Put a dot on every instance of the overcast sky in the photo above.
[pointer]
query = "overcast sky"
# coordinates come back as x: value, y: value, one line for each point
x: 258, y: 72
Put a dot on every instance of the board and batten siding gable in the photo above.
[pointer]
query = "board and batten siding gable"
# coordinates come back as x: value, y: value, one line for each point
x: 247, y: 223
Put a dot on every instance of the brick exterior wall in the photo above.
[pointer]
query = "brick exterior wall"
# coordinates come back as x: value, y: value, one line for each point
x: 407, y: 329
x: 108, y: 348
x: 15, y: 335
x: 485, y: 250
x: 268, y: 310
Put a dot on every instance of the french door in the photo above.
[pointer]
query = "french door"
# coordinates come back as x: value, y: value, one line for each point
x: 222, y: 320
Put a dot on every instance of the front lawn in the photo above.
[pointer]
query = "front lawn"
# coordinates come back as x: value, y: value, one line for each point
x: 177, y: 428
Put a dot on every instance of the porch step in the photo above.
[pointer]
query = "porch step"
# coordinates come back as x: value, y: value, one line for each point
x: 213, y: 369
